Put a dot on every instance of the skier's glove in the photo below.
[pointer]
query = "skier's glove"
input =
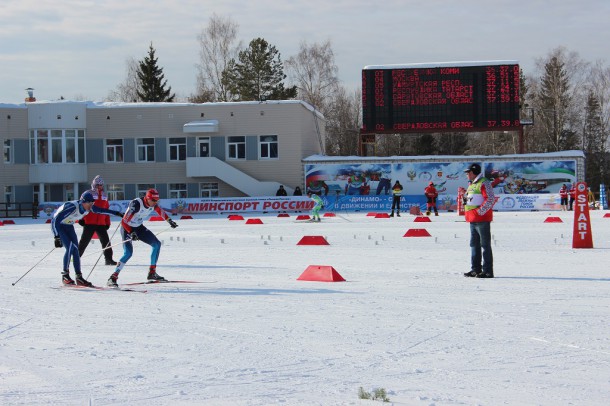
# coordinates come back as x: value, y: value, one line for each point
x: 81, y: 222
x: 172, y: 223
x: 58, y: 243
x: 134, y: 236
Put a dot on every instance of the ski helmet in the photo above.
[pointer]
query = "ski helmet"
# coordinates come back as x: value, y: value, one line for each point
x: 87, y: 197
x: 152, y: 194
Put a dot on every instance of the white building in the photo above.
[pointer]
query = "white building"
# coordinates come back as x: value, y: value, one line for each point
x: 52, y: 150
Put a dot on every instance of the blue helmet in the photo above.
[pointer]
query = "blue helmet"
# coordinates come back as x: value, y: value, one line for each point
x: 87, y: 197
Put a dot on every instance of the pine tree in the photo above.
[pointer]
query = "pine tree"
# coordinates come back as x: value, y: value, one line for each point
x: 258, y: 75
x: 593, y: 142
x: 151, y: 78
x: 555, y: 99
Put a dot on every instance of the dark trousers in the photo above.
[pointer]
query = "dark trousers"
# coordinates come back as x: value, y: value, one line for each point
x: 85, y: 238
x: 431, y: 204
x: 480, y: 248
x: 396, y: 203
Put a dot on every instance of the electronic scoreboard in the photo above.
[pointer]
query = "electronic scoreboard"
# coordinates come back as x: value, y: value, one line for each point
x: 438, y: 97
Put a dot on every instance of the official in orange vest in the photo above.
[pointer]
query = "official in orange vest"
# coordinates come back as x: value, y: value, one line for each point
x: 480, y: 200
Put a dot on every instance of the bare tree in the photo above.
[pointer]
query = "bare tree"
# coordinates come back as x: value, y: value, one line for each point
x: 314, y: 71
x: 343, y: 122
x: 216, y: 50
x: 128, y: 90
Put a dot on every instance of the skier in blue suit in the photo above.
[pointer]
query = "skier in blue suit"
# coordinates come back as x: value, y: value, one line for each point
x: 65, y: 236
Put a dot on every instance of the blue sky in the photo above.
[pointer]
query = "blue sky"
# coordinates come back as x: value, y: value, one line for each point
x: 78, y: 48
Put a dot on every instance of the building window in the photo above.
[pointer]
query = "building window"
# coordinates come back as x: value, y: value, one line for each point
x: 142, y: 188
x: 208, y: 189
x: 177, y: 149
x: 115, y: 191
x: 70, y: 146
x: 56, y: 146
x: 114, y: 150
x: 237, y: 147
x: 146, y: 149
x: 66, y: 146
x: 8, y: 151
x: 69, y: 193
x: 177, y: 191
x: 268, y: 146
x: 44, y: 197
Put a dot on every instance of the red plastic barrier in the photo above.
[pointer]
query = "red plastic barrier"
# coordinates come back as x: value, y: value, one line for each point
x: 321, y: 273
x: 417, y: 232
x: 313, y: 240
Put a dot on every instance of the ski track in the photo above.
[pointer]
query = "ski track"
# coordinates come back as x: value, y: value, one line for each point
x: 405, y: 320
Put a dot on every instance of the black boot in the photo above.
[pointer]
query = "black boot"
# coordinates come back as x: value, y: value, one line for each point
x: 65, y: 278
x: 153, y: 275
x: 112, y: 281
x: 80, y: 281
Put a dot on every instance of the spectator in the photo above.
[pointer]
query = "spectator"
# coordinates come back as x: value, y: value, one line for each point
x: 431, y: 195
x: 281, y: 191
x: 396, y: 193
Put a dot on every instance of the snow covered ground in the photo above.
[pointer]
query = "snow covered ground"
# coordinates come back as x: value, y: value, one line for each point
x: 406, y: 320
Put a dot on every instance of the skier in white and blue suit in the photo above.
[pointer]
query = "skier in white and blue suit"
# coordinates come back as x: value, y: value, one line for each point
x: 65, y: 236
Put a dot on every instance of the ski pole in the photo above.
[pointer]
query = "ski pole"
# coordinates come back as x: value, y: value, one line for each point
x: 108, y: 247
x: 102, y: 253
x: 119, y: 243
x: 28, y: 271
x: 344, y: 218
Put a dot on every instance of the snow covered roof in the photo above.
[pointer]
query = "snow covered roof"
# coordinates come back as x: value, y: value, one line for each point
x: 201, y: 126
x: 101, y: 105
x: 441, y: 64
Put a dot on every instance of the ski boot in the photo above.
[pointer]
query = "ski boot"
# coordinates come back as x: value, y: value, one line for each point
x: 154, y: 276
x: 110, y: 261
x: 112, y: 281
x: 397, y: 214
x: 65, y: 278
x: 427, y: 212
x: 392, y: 214
x: 80, y: 281
x: 436, y: 213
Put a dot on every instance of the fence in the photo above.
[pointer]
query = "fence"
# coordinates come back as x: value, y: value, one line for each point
x: 18, y: 209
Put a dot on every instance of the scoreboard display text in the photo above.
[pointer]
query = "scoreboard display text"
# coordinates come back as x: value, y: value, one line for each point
x: 436, y: 99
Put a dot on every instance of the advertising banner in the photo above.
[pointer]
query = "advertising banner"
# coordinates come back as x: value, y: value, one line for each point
x: 518, y: 185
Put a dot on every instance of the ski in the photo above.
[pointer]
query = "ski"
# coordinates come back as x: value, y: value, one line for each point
x: 94, y: 288
x: 165, y: 281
